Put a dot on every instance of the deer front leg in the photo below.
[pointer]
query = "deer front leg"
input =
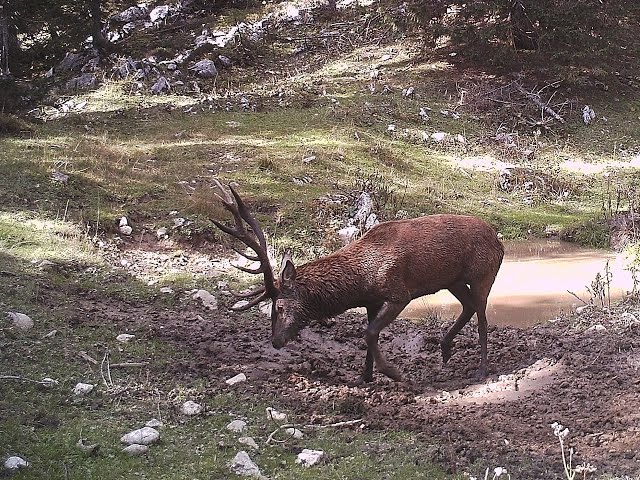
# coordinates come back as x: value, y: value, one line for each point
x: 384, y: 316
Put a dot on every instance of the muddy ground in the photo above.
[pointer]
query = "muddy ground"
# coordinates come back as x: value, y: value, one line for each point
x: 587, y: 380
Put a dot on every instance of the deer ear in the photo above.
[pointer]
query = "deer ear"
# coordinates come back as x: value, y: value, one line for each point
x: 288, y: 272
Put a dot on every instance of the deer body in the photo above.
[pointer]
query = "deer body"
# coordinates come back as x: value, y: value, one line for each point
x: 394, y: 263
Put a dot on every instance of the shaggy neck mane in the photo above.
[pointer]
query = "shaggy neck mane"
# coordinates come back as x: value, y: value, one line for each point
x: 328, y: 286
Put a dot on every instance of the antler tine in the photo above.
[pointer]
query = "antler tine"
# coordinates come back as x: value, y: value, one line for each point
x: 255, y: 239
x: 244, y: 213
x: 252, y: 303
x: 250, y: 294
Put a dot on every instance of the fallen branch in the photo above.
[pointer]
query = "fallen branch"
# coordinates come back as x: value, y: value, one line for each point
x: 271, y: 438
x: 337, y: 424
x: 535, y: 98
x: 129, y: 364
x: 46, y: 382
x: 85, y: 356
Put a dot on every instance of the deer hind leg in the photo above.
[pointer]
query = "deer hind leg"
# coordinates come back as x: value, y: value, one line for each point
x: 383, y: 317
x: 463, y: 294
x: 367, y: 374
x: 480, y: 293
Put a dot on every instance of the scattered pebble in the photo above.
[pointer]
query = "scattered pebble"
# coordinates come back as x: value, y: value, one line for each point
x: 14, y: 463
x: 125, y: 337
x: 161, y: 233
x: 208, y: 300
x: 125, y: 229
x: 20, y: 320
x: 309, y: 458
x: 154, y: 423
x: 88, y: 448
x: 249, y: 441
x: 166, y: 290
x: 237, y: 426
x: 135, y: 449
x: 273, y: 414
x: 243, y: 465
x: 191, y: 408
x: 141, y: 436
x: 294, y: 433
x: 241, y: 377
x: 49, y: 382
x: 596, y: 328
x: 82, y: 389
x: 51, y: 334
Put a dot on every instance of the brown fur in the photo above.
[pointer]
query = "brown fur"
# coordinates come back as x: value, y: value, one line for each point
x: 388, y: 267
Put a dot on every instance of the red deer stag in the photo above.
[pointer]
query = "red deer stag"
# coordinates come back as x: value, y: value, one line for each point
x: 383, y: 271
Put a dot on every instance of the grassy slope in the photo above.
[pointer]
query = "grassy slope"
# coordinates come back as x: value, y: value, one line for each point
x: 132, y: 156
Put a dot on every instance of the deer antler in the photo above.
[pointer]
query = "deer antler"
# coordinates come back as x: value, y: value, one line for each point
x: 253, y: 239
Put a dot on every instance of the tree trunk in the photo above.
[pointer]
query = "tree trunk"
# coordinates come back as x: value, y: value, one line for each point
x: 99, y: 41
x: 4, y: 39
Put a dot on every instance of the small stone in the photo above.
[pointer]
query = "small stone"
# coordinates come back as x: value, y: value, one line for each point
x: 166, y: 290
x: 308, y: 458
x: 49, y: 382
x: 243, y: 465
x: 596, y: 328
x: 237, y: 426
x: 583, y: 309
x: 265, y: 308
x: 88, y: 448
x: 123, y: 221
x: 51, y: 334
x: 294, y: 433
x: 249, y: 441
x: 125, y: 337
x: 438, y: 136
x: 460, y: 139
x: 273, y: 414
x: 14, y: 463
x: 141, y: 436
x: 136, y: 450
x: 126, y: 230
x: 154, y: 423
x: 209, y: 301
x: 20, y: 320
x: 82, y: 389
x: 241, y: 377
x: 46, y: 265
x: 191, y: 408
x: 161, y: 233
x: 239, y: 304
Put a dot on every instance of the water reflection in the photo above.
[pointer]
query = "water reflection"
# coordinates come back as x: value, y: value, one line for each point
x: 533, y: 283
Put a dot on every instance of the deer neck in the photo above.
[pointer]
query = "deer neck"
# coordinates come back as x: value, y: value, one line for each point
x: 329, y: 286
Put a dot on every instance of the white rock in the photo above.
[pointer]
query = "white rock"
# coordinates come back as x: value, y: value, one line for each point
x: 239, y: 304
x: 237, y: 426
x: 125, y: 337
x: 265, y: 308
x: 20, y: 320
x: 49, y: 382
x: 348, y: 234
x: 135, y: 449
x: 51, y: 334
x: 45, y: 264
x: 166, y: 290
x: 460, y: 139
x: 293, y: 433
x: 249, y: 441
x: 123, y: 222
x: 159, y: 13
x: 154, y: 423
x: 276, y: 415
x: 243, y: 465
x: 439, y: 136
x: 162, y: 232
x: 141, y: 436
x: 241, y: 377
x: 126, y: 230
x: 309, y: 458
x: 208, y: 300
x: 596, y: 328
x: 14, y: 463
x: 191, y: 408
x: 583, y: 309
x: 82, y: 389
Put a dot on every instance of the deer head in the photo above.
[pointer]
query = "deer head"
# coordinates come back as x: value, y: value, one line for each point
x: 286, y: 310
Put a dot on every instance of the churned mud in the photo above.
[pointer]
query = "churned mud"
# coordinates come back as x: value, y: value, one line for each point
x: 585, y: 379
